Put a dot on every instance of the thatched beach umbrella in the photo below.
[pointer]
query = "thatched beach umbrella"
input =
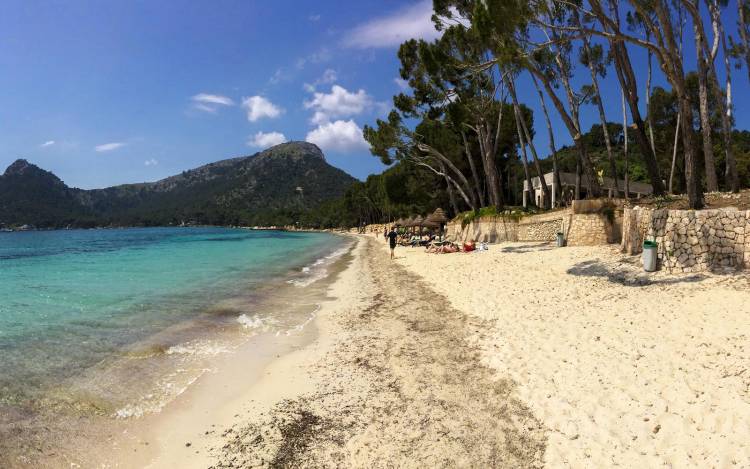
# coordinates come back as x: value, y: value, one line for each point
x: 438, y: 216
x: 399, y: 222
x: 427, y: 223
x: 416, y: 222
x: 410, y: 223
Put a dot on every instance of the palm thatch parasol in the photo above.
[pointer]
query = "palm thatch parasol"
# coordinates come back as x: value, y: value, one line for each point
x: 438, y: 216
x: 428, y: 223
x: 399, y: 222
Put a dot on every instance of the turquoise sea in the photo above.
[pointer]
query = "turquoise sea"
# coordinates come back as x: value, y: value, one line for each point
x: 93, y: 306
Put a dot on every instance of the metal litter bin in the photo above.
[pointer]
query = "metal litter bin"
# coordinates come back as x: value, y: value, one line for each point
x: 560, y: 239
x: 649, y: 256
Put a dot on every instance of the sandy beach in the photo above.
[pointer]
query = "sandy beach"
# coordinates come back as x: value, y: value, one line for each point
x: 522, y: 356
x: 622, y: 368
x: 394, y: 378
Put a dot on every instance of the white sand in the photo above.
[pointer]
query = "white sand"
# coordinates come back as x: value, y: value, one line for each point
x: 622, y: 373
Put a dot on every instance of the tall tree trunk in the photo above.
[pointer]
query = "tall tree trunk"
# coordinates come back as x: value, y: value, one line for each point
x: 628, y: 83
x: 525, y: 161
x: 742, y: 27
x: 625, y: 154
x: 578, y: 180
x: 730, y: 171
x: 674, y: 153
x: 712, y: 184
x: 676, y: 75
x: 626, y: 76
x: 451, y: 195
x: 695, y: 195
x: 464, y: 187
x: 474, y: 174
x: 592, y: 183
x: 490, y: 169
x: 471, y: 203
x: 521, y: 123
x: 600, y: 107
x: 491, y: 146
x: 552, y: 148
x: 649, y: 119
x: 670, y: 59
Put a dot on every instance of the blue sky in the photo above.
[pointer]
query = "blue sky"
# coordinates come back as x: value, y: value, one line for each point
x: 109, y: 92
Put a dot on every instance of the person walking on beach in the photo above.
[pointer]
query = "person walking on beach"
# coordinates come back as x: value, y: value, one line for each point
x: 392, y: 239
x: 385, y: 233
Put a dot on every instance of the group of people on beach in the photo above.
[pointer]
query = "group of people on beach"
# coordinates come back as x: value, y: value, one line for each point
x: 443, y: 247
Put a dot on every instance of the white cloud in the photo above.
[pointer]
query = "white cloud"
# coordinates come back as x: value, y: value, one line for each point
x: 151, y: 162
x: 338, y: 103
x: 314, y: 18
x: 259, y: 107
x: 328, y: 77
x: 213, y: 99
x: 388, y: 31
x: 108, y: 146
x: 48, y: 143
x: 266, y: 140
x: 401, y: 83
x: 341, y: 136
x: 210, y: 102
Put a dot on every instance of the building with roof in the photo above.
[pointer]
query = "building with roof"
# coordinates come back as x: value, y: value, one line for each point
x: 567, y: 191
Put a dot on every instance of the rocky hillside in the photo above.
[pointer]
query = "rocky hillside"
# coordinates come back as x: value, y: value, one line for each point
x: 271, y: 187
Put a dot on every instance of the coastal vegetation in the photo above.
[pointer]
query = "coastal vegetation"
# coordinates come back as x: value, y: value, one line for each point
x: 273, y: 187
x: 460, y: 137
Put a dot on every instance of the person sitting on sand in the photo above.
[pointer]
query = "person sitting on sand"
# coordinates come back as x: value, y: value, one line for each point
x: 392, y: 236
x: 469, y: 246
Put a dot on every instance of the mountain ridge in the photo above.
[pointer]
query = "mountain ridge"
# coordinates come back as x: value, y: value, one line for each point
x: 273, y: 186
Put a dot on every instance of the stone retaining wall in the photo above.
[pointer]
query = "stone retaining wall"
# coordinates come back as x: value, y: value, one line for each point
x: 593, y: 229
x: 487, y: 229
x: 580, y: 229
x: 690, y: 240
x: 542, y: 227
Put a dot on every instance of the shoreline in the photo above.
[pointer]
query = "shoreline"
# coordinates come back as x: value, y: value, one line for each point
x: 80, y: 424
x: 475, y: 360
x: 243, y: 383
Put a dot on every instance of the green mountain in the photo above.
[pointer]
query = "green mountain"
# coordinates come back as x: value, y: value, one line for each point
x: 273, y: 187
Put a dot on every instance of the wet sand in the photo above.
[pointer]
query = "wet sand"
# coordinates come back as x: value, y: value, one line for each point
x: 523, y: 356
x: 394, y: 379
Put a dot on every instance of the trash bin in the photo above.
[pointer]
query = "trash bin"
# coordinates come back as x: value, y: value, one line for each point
x: 560, y: 239
x: 649, y: 256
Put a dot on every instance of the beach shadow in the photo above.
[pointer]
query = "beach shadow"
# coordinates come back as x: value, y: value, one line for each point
x: 629, y: 277
x: 528, y: 248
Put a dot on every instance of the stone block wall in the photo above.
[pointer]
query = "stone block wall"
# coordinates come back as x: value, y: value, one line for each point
x: 593, y: 229
x: 691, y: 240
x: 487, y: 229
x: 499, y: 229
x: 542, y: 227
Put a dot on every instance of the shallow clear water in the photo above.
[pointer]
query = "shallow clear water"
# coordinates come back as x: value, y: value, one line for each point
x: 71, y: 300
